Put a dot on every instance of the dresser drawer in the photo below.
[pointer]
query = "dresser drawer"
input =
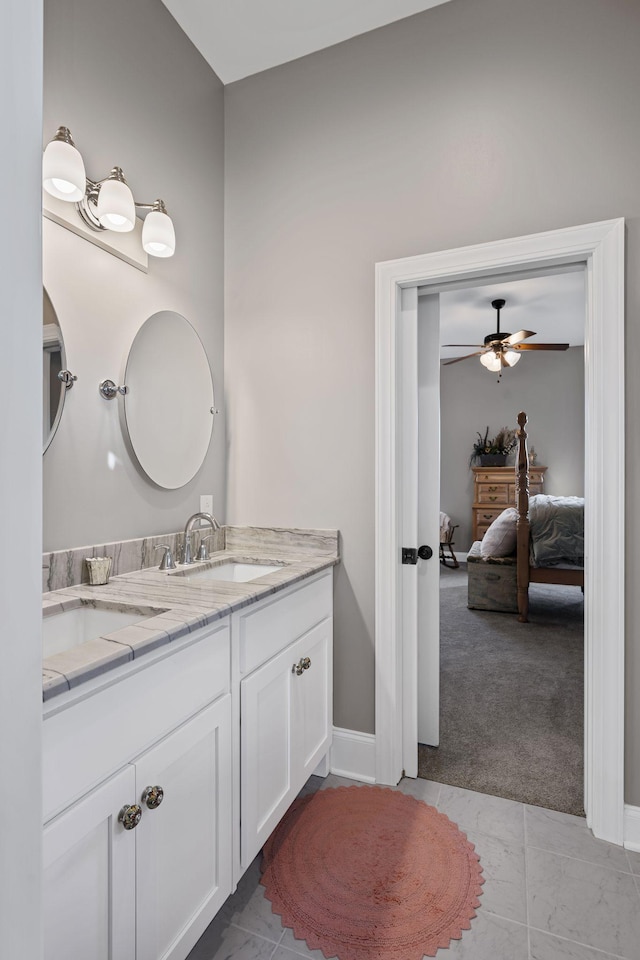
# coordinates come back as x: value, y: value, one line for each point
x: 495, y: 475
x: 493, y: 492
x: 485, y: 518
x: 534, y: 488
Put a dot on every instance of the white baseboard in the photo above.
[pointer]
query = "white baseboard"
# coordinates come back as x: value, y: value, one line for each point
x: 632, y: 827
x: 353, y: 755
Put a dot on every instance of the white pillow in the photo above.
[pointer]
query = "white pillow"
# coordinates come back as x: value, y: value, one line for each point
x: 500, y: 538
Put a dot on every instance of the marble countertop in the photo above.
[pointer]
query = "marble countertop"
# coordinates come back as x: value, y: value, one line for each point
x: 173, y: 604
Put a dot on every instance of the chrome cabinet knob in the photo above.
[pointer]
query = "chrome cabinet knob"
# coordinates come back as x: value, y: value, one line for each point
x: 303, y: 664
x: 130, y: 816
x: 153, y: 797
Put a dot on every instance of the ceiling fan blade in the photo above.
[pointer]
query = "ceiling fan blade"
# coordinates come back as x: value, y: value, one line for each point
x: 446, y: 363
x: 541, y: 346
x: 479, y: 345
x: 517, y: 337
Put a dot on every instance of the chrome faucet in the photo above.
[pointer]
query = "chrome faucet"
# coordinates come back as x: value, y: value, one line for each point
x: 187, y: 556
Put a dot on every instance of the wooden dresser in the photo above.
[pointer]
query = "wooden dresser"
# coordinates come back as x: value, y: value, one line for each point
x: 494, y: 489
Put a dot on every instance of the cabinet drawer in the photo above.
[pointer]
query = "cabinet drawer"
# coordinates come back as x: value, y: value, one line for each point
x: 88, y: 741
x: 493, y: 492
x: 265, y: 629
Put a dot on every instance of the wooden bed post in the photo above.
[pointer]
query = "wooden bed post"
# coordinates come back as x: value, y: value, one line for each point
x: 522, y: 506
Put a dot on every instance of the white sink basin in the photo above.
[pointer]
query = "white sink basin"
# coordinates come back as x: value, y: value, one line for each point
x: 70, y: 628
x: 234, y: 571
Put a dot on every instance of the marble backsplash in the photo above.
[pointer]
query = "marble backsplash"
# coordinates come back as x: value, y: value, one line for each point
x: 66, y: 568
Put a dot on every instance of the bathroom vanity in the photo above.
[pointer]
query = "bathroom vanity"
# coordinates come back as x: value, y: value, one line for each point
x: 169, y: 759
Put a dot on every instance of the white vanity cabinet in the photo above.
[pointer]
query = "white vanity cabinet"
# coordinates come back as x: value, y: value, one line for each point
x: 209, y: 738
x: 285, y: 648
x: 149, y: 892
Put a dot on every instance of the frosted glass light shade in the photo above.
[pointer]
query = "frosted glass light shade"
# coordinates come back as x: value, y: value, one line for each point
x: 511, y: 357
x: 63, y: 173
x: 116, y: 208
x: 491, y: 361
x: 158, y: 235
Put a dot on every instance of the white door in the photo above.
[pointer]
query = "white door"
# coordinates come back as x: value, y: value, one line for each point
x: 89, y: 877
x: 428, y: 614
x: 183, y: 850
x: 419, y: 456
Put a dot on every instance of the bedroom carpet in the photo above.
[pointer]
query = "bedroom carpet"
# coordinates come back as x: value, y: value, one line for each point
x: 511, y: 714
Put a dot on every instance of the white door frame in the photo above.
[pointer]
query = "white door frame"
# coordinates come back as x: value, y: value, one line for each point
x: 601, y: 247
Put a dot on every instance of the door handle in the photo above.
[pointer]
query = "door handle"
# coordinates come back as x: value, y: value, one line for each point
x: 425, y: 552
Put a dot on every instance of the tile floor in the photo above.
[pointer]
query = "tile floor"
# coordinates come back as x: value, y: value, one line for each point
x: 551, y: 892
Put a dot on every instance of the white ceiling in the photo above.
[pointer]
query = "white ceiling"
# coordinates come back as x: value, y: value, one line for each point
x: 553, y: 306
x: 241, y: 37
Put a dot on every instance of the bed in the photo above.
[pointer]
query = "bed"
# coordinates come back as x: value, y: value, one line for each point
x: 559, y: 560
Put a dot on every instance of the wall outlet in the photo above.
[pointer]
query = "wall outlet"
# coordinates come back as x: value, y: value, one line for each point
x: 206, y: 503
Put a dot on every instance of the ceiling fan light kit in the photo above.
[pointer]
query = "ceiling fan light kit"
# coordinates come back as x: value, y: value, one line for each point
x: 503, y: 349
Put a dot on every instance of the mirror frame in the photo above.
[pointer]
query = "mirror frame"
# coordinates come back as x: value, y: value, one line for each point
x: 63, y: 390
x: 126, y: 415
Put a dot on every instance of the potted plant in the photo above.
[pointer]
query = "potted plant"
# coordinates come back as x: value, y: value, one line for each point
x: 493, y: 452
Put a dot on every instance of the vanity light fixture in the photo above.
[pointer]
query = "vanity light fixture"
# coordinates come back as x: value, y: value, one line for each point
x: 106, y: 204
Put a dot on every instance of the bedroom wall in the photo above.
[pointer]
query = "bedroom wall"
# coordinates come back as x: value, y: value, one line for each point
x: 158, y: 113
x: 474, y: 121
x: 549, y: 387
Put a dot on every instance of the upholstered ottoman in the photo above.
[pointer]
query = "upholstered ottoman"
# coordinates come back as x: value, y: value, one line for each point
x: 492, y: 582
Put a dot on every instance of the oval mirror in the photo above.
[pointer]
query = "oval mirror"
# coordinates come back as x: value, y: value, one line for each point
x: 53, y: 363
x: 168, y: 406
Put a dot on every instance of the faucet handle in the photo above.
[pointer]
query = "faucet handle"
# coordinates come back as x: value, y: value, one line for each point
x: 203, y: 553
x: 167, y: 562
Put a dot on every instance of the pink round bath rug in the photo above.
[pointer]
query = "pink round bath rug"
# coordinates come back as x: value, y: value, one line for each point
x: 368, y: 873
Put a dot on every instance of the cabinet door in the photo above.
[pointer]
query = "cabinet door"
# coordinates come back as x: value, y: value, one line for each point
x: 285, y: 731
x: 183, y: 849
x: 312, y: 702
x: 265, y: 751
x: 89, y: 877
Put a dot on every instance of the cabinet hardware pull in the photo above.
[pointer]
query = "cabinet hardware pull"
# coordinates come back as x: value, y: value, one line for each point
x: 493, y: 498
x: 487, y: 516
x: 130, y: 816
x: 492, y: 489
x: 303, y: 664
x: 153, y: 797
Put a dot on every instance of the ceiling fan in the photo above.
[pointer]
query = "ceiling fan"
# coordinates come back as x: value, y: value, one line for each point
x: 502, y: 349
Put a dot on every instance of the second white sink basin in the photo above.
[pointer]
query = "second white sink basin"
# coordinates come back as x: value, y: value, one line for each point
x: 233, y: 570
x: 69, y: 628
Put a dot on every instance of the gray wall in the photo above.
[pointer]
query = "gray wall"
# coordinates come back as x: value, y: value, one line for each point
x: 134, y: 92
x: 549, y: 387
x: 476, y: 120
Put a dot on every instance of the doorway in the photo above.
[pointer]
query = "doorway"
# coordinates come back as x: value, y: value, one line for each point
x: 511, y: 697
x: 600, y: 247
